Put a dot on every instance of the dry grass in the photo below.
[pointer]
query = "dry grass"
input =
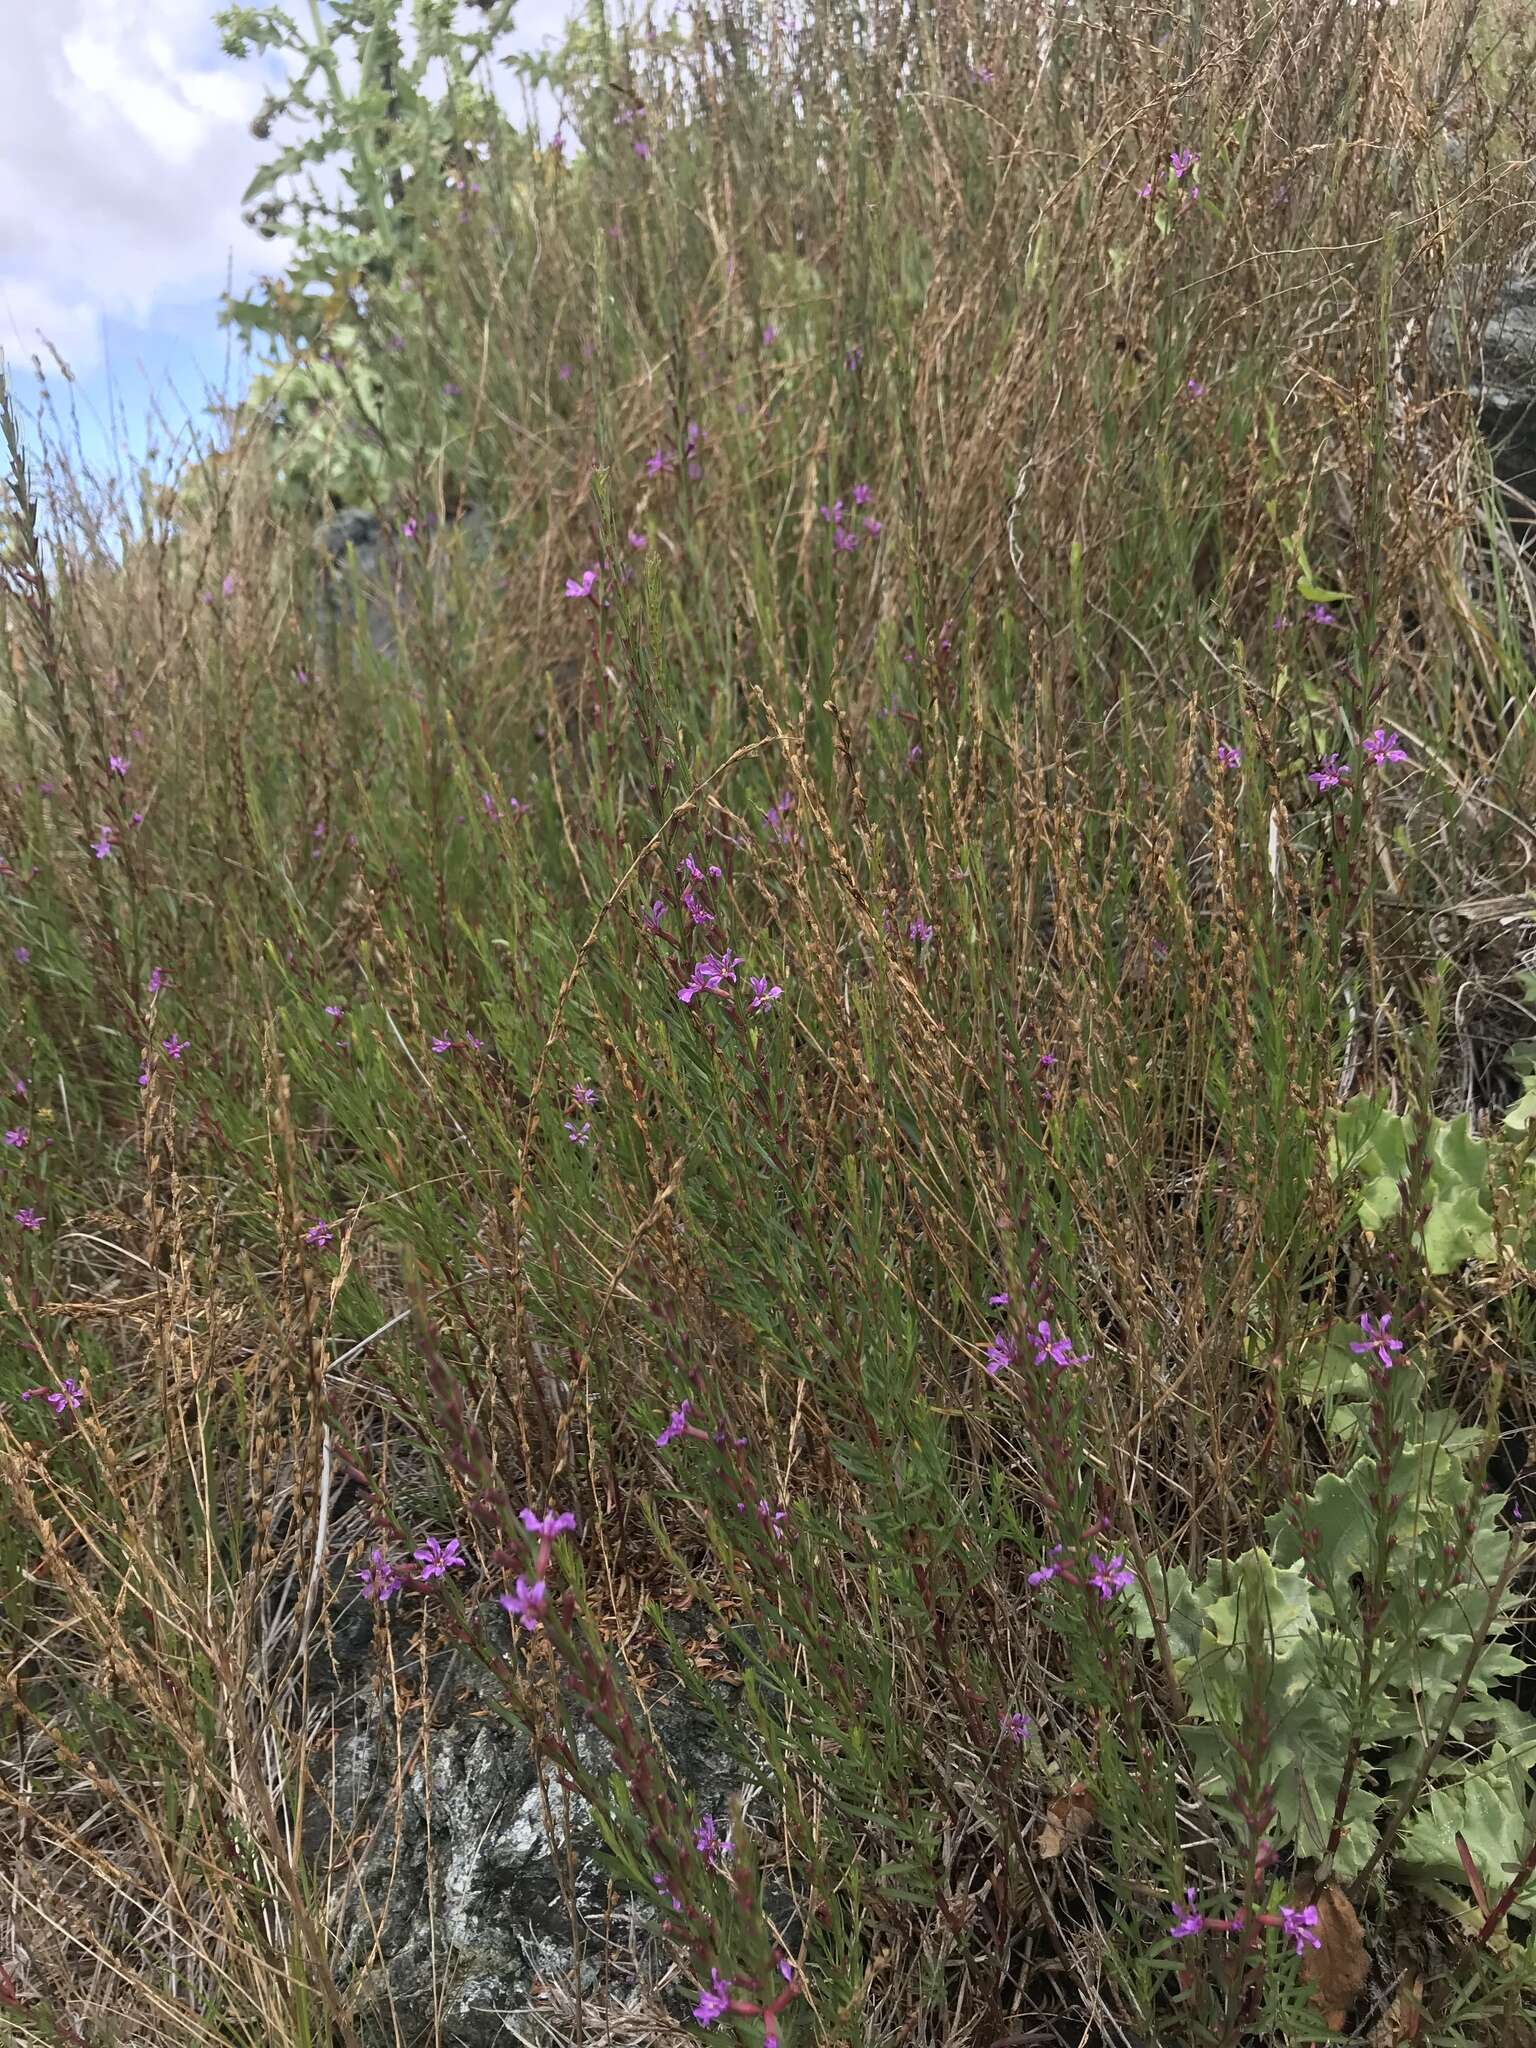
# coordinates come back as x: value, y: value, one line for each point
x: 999, y: 716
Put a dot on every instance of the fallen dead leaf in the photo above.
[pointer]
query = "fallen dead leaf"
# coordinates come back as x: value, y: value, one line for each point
x: 1403, y: 2021
x: 1067, y: 1819
x: 1337, y: 1971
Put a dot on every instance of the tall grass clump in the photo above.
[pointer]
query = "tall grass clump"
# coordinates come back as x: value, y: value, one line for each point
x: 885, y: 1032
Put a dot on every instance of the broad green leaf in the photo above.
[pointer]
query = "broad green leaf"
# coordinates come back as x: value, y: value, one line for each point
x: 1483, y: 1810
x: 1458, y: 1160
x: 1456, y: 1229
x: 1330, y: 1371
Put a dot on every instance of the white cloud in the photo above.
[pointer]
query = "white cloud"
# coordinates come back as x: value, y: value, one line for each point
x: 124, y: 148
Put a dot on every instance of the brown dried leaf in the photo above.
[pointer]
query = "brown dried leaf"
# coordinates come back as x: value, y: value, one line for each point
x: 1338, y: 1970
x: 1403, y: 2021
x: 1067, y: 1819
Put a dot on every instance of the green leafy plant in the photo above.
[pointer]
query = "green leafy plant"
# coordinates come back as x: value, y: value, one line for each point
x: 1373, y: 1147
x: 1369, y: 1632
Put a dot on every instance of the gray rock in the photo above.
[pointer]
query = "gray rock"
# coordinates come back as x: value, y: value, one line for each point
x: 463, y: 1874
x: 1499, y: 375
x: 370, y: 574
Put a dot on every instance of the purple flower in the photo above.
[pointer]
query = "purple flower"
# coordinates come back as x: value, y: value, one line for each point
x: 714, y: 2003
x: 156, y: 980
x: 652, y: 918
x: 1045, y: 1572
x: 116, y: 764
x: 1195, y: 388
x: 636, y: 540
x: 642, y: 149
x: 854, y: 359
x: 578, y: 1133
x: 1016, y: 1726
x: 1319, y: 615
x: 18, y: 1138
x: 920, y: 932
x: 762, y: 994
x: 547, y: 1527
x: 1329, y: 773
x: 442, y: 1045
x: 22, y: 955
x: 319, y: 1235
x: 775, y: 820
x: 666, y: 1891
x: 1228, y: 757
x: 1299, y: 1924
x: 378, y: 1577
x: 174, y: 1046
x: 334, y: 1010
x: 711, y: 975
x: 583, y: 1096
x: 1379, y: 1342
x: 998, y: 1300
x: 844, y: 540
x: 862, y: 494
x: 526, y: 1603
x: 67, y: 1396
x: 833, y: 513
x: 873, y: 527
x: 408, y: 530
x: 1381, y: 747
x: 677, y: 1423
x: 713, y: 1846
x: 564, y: 373
x: 696, y: 909
x: 1109, y: 1576
x: 1188, y: 1923
x: 437, y: 1559
x: 772, y: 1518
x: 1051, y: 1350
x: 1001, y: 1352
x: 659, y: 464
x: 582, y: 586
x: 770, y: 335
x: 228, y: 585
x: 101, y: 845
x: 1182, y: 160
x: 1144, y: 191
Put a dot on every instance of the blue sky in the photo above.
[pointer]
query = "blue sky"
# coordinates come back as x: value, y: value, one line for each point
x: 125, y: 145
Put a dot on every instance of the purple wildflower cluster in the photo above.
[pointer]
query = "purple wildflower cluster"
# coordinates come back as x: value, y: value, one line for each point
x: 661, y: 462
x: 1379, y: 748
x: 715, y: 973
x: 1052, y: 1350
x: 383, y: 1576
x: 718, y: 2000
x: 1106, y: 1576
x: 529, y: 1600
x: 1298, y: 1924
x: 1181, y: 162
x: 846, y: 524
x: 62, y: 1399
